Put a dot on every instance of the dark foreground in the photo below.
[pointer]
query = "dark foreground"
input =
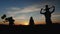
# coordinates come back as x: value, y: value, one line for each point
x: 31, y: 28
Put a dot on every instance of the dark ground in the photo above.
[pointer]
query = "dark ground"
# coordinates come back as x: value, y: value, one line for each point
x: 31, y: 29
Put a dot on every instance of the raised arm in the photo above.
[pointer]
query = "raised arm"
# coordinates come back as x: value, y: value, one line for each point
x: 53, y: 9
x: 41, y: 11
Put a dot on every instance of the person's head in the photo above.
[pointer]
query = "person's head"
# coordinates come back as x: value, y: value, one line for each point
x: 10, y: 18
x: 46, y: 6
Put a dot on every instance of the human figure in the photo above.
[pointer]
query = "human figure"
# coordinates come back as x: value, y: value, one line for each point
x: 47, y: 14
x: 10, y: 20
x: 31, y: 22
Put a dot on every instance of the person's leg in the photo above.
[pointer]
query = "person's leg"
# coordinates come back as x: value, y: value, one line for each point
x: 48, y: 21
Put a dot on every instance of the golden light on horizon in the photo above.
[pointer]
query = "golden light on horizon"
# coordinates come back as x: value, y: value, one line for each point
x: 26, y: 23
x: 21, y: 23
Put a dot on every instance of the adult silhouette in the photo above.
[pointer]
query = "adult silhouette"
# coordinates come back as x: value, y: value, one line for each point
x: 31, y: 21
x: 10, y: 20
x: 48, y: 13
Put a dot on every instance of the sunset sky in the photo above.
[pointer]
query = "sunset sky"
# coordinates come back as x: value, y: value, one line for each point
x: 22, y: 10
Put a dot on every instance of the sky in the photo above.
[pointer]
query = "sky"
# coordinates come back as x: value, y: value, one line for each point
x: 22, y: 10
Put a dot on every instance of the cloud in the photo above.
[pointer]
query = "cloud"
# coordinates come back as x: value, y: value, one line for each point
x: 55, y: 15
x: 20, y: 17
x: 14, y: 10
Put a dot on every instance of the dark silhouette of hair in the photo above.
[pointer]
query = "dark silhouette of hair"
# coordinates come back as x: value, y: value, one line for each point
x: 31, y: 21
x: 48, y: 14
x: 10, y: 20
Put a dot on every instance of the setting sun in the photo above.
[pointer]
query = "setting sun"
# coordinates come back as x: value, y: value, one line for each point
x: 25, y: 23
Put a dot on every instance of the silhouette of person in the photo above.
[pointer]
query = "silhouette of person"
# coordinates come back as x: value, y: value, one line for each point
x: 31, y: 22
x: 47, y: 14
x: 10, y: 20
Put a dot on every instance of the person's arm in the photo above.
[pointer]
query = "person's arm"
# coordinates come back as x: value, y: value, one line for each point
x: 53, y: 9
x: 41, y: 11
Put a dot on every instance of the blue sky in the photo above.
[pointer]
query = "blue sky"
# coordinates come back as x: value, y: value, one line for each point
x: 22, y: 10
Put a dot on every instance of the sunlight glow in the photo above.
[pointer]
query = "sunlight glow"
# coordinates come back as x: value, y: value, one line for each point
x: 26, y: 23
